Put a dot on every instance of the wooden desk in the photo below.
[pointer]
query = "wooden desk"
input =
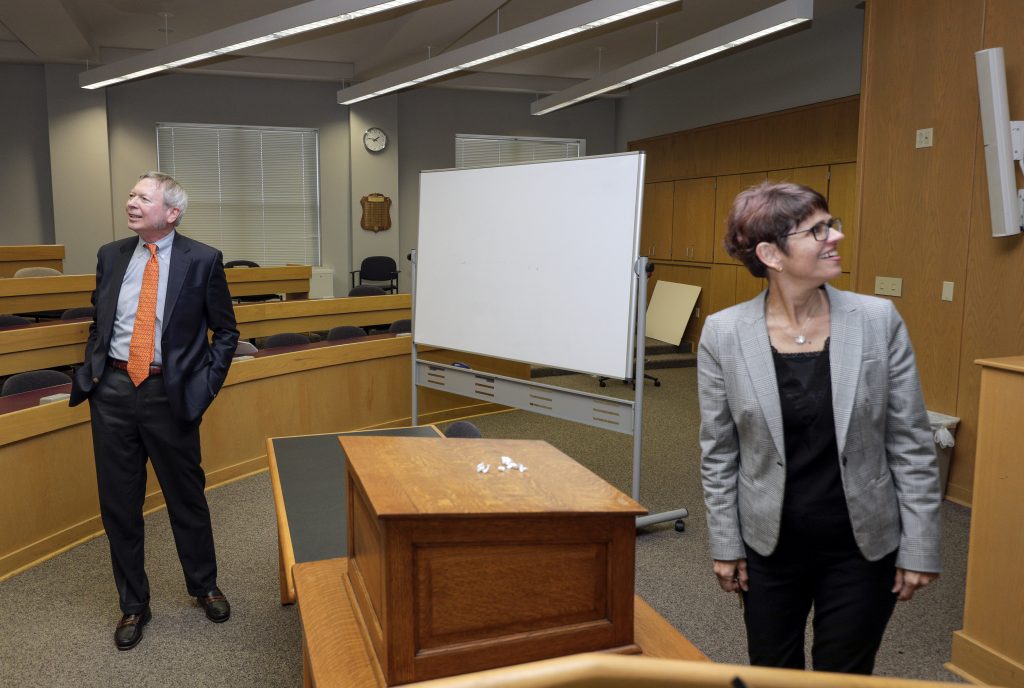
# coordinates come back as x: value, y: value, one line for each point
x: 307, y: 473
x: 13, y: 258
x: 31, y: 294
x: 990, y: 647
x: 263, y: 319
x: 42, y: 345
x: 62, y: 343
x: 48, y: 496
x: 290, y: 280
x: 334, y: 649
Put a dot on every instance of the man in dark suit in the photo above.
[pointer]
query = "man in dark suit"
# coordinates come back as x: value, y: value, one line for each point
x: 149, y: 374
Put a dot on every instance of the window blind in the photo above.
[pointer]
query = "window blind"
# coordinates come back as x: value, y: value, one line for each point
x: 253, y: 192
x: 473, y: 150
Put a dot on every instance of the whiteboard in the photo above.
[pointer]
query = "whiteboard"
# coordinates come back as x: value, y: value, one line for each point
x: 532, y: 262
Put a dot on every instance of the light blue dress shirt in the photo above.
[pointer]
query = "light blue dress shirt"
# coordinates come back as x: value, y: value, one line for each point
x: 128, y: 299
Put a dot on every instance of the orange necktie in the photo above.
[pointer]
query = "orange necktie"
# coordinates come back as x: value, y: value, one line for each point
x: 140, y: 350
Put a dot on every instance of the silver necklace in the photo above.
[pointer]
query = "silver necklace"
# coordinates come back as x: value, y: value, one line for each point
x: 800, y: 339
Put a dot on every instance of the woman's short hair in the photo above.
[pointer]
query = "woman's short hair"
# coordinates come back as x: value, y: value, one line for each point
x: 767, y: 212
x: 174, y: 195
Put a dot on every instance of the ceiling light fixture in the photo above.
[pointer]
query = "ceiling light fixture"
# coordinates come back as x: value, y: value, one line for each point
x: 271, y: 27
x: 575, y: 20
x: 752, y: 27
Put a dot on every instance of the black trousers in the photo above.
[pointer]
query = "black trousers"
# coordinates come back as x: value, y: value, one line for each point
x: 129, y: 425
x: 851, y: 597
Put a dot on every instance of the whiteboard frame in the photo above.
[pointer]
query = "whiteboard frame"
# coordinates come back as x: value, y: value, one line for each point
x: 553, y: 283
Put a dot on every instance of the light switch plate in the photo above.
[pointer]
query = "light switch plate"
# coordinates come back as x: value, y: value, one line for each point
x: 947, y: 291
x: 924, y: 138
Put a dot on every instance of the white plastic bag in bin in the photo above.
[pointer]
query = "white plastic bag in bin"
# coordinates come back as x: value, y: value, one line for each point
x: 941, y: 427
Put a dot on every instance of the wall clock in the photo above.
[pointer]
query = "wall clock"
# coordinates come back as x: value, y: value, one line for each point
x: 375, y: 140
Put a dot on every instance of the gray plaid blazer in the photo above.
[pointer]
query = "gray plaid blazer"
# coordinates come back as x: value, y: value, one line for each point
x: 886, y: 451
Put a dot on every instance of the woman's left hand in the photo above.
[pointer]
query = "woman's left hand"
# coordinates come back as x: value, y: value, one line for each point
x: 909, y: 582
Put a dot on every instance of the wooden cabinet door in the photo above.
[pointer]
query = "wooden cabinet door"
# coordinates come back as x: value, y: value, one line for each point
x: 842, y: 202
x: 815, y: 177
x: 656, y: 221
x: 728, y: 186
x: 693, y: 220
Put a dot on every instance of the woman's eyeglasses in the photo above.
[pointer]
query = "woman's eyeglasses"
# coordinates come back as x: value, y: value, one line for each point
x: 820, y: 230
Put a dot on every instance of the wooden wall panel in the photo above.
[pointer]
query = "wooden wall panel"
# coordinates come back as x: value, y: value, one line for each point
x: 842, y: 202
x: 693, y: 152
x: 798, y: 137
x: 728, y: 188
x: 916, y: 204
x: 993, y: 323
x: 656, y: 221
x: 693, y: 220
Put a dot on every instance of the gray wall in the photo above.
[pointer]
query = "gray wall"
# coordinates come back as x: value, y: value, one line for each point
x: 808, y: 66
x: 429, y: 118
x: 25, y: 193
x: 133, y: 109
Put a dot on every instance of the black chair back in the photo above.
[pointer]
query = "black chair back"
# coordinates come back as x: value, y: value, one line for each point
x: 34, y: 379
x: 241, y: 264
x: 79, y: 312
x: 366, y: 290
x: 399, y: 326
x: 378, y: 269
x: 8, y: 320
x: 285, y: 339
x: 462, y: 429
x: 345, y: 332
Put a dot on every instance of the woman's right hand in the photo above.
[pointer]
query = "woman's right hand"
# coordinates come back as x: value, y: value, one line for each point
x: 732, y: 575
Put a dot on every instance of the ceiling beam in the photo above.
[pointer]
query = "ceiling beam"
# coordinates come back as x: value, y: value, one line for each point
x: 46, y: 29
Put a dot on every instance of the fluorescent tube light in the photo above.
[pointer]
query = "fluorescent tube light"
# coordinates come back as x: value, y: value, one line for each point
x: 752, y: 27
x: 552, y: 28
x: 271, y: 27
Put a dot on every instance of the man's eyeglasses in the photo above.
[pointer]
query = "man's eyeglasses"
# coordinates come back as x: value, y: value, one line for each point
x: 820, y: 230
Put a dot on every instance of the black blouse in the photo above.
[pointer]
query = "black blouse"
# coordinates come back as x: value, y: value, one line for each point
x: 814, y: 503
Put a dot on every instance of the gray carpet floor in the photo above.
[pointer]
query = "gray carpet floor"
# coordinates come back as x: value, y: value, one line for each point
x: 58, y: 617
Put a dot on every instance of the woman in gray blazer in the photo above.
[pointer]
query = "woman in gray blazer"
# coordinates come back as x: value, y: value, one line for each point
x: 817, y: 460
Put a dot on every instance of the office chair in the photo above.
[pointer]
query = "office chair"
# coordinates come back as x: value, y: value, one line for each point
x: 34, y: 379
x: 285, y: 339
x: 378, y: 269
x: 8, y: 320
x: 79, y: 312
x: 345, y: 332
x: 399, y: 326
x: 251, y: 298
x: 462, y: 429
x: 245, y: 348
x: 366, y: 290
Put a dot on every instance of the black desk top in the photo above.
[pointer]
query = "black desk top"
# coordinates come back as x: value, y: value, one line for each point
x: 311, y: 469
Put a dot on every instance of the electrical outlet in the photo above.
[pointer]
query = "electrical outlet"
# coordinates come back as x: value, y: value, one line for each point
x: 924, y: 138
x: 889, y: 286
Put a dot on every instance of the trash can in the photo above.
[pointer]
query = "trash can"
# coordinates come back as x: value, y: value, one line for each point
x: 943, y: 429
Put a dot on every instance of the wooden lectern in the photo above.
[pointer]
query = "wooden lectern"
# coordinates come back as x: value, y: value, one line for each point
x: 452, y: 569
x: 990, y: 647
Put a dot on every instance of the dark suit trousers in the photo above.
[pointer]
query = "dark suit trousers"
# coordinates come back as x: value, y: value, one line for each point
x: 851, y: 596
x: 130, y: 424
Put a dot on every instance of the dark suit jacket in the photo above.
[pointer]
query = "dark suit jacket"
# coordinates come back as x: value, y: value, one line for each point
x: 197, y: 300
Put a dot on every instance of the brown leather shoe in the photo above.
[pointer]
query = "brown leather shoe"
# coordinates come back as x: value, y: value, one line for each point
x: 216, y: 605
x: 129, y: 629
